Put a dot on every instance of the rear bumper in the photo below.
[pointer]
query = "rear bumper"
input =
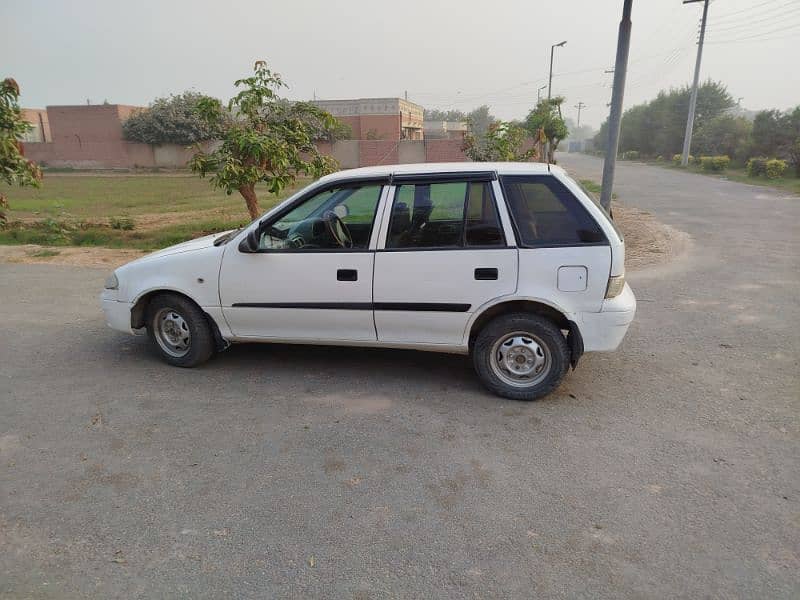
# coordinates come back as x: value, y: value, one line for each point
x: 118, y: 314
x: 603, y: 331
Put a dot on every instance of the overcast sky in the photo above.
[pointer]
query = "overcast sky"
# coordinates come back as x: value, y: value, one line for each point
x: 443, y: 53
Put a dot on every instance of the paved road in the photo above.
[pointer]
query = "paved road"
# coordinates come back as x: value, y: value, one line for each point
x: 668, y: 469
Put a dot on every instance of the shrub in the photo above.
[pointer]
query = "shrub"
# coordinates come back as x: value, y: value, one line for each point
x: 659, y: 158
x: 714, y: 163
x: 775, y: 168
x: 630, y: 155
x: 757, y: 166
x: 123, y: 223
x: 676, y: 160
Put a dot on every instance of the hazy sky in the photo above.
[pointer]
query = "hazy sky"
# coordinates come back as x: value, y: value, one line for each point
x: 443, y: 53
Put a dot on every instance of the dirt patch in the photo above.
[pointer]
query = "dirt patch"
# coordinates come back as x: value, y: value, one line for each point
x: 68, y: 255
x: 648, y: 242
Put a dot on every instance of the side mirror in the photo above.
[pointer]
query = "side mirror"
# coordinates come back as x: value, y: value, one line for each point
x: 249, y: 244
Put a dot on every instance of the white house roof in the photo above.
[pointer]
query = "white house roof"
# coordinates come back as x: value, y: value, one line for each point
x: 501, y: 168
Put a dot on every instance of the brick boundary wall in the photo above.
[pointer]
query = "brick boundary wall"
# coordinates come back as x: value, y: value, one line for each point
x: 117, y: 154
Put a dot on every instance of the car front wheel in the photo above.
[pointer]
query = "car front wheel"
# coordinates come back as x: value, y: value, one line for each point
x: 521, y: 356
x: 179, y: 331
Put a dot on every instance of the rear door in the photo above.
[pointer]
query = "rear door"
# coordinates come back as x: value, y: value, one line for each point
x: 441, y: 255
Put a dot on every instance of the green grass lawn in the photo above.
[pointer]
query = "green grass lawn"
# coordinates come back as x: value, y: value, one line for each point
x: 110, y: 210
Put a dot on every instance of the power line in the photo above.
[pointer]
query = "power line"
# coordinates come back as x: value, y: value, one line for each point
x: 762, y: 33
x: 750, y: 8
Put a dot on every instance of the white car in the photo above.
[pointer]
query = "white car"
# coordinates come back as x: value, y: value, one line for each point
x: 512, y: 263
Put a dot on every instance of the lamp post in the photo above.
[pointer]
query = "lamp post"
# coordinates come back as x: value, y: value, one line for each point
x: 539, y: 94
x: 550, y: 80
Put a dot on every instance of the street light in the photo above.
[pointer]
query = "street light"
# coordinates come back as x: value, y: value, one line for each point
x: 550, y: 81
x: 539, y: 94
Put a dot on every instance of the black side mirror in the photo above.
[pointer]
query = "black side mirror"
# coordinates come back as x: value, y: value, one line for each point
x: 249, y: 244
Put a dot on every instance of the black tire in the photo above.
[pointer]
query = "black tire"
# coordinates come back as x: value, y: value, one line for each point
x: 200, y: 346
x: 548, y: 343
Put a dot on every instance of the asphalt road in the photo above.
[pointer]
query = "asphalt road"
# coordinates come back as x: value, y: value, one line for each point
x: 668, y: 469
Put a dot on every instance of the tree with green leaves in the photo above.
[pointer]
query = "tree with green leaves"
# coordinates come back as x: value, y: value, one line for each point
x: 546, y: 121
x: 15, y: 169
x: 453, y: 114
x: 503, y: 141
x: 657, y: 127
x: 171, y: 120
x: 264, y: 138
x: 777, y: 133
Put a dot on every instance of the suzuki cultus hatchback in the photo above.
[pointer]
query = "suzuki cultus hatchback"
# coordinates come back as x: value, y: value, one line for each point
x: 511, y: 263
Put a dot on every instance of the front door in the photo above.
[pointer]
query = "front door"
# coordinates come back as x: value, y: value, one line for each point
x: 444, y: 256
x: 311, y: 277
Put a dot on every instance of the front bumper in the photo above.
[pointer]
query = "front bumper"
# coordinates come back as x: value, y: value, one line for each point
x: 603, y: 331
x: 118, y: 314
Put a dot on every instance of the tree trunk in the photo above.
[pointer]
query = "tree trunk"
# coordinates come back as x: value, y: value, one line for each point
x: 248, y: 192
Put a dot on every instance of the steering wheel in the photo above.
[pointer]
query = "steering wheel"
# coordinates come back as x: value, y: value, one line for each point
x: 338, y: 229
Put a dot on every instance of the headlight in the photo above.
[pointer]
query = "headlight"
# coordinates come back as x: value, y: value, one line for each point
x: 112, y: 283
x: 616, y: 284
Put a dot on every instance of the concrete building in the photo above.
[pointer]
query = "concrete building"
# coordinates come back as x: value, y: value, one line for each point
x: 377, y: 118
x: 444, y: 130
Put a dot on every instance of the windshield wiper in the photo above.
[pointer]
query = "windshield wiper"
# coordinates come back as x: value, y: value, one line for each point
x: 226, y: 237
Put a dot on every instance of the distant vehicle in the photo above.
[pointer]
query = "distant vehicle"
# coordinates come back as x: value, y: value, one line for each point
x: 512, y: 263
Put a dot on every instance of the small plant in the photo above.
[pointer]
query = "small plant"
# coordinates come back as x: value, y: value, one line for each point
x: 756, y: 166
x: 44, y: 253
x: 630, y: 155
x: 122, y: 223
x: 775, y: 168
x: 659, y: 158
x: 676, y: 160
x: 714, y: 163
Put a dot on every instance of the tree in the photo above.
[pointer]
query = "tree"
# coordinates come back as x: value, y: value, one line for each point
x: 15, y: 169
x: 479, y: 120
x: 724, y: 135
x: 170, y: 120
x: 546, y: 120
x: 777, y: 133
x: 264, y: 138
x: 444, y: 115
x: 503, y: 141
x: 657, y: 127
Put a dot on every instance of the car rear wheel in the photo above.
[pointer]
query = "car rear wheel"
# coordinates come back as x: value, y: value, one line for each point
x: 179, y: 331
x: 521, y: 356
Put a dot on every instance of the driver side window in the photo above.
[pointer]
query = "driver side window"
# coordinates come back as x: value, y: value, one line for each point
x: 334, y: 219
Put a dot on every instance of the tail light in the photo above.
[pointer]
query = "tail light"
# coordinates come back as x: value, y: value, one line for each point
x: 616, y: 283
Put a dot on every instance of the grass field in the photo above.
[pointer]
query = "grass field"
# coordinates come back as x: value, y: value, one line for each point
x: 788, y: 183
x: 123, y: 211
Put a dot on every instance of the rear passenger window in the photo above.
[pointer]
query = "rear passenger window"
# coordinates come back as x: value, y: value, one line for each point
x: 444, y: 215
x: 546, y: 213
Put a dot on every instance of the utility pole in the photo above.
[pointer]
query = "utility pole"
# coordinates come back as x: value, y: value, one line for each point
x: 579, y: 106
x: 615, y: 116
x: 687, y: 137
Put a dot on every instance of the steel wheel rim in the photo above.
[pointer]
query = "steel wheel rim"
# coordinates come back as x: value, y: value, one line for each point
x: 520, y: 359
x: 172, y: 332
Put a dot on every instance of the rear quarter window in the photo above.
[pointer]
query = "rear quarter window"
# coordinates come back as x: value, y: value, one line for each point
x: 546, y: 213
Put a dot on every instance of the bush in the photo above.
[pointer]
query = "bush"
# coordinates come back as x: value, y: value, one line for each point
x: 757, y: 166
x: 676, y: 160
x: 630, y: 155
x: 123, y: 223
x: 714, y: 163
x: 775, y: 168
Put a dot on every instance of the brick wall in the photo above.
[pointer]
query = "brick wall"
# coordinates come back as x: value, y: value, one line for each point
x: 444, y: 151
x: 377, y: 152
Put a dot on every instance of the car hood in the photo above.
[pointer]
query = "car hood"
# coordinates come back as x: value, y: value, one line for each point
x: 190, y: 246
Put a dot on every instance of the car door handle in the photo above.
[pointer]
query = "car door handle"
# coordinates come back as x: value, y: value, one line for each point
x: 347, y: 275
x: 485, y: 274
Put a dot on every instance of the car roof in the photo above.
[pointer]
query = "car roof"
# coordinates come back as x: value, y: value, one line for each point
x: 501, y: 168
